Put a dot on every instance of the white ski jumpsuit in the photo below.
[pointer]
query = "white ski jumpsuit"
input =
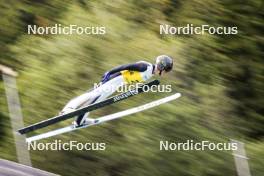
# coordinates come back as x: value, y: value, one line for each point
x: 125, y: 74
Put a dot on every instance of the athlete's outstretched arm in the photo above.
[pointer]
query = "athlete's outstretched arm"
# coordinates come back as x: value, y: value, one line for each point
x: 139, y: 66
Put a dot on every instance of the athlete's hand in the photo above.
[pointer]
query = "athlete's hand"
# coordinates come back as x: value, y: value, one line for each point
x: 105, y: 77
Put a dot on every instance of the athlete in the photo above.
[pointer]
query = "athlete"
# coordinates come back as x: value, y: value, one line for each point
x: 125, y: 74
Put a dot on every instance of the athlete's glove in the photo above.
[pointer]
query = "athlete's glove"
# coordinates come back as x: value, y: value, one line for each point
x: 105, y: 77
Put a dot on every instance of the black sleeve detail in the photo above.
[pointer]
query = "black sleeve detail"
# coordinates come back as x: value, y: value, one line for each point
x: 139, y: 66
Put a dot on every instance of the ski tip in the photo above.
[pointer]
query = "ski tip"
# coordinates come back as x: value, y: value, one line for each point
x: 177, y: 95
x: 156, y: 81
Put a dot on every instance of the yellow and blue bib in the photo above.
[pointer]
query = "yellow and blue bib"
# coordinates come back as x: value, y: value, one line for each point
x: 131, y: 77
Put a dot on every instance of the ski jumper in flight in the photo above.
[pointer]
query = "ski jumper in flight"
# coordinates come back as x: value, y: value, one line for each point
x: 125, y: 74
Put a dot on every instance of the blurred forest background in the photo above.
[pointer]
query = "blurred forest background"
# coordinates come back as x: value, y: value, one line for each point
x: 221, y: 78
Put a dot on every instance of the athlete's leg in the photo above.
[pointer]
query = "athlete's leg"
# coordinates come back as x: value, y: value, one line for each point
x: 81, y: 118
x: 100, y: 94
x: 78, y: 102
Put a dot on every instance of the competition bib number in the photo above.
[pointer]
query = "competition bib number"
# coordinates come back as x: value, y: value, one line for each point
x: 131, y: 76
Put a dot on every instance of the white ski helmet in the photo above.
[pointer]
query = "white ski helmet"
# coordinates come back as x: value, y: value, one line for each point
x: 164, y: 63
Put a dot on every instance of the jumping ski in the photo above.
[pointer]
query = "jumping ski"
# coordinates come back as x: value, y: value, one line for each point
x: 105, y: 118
x: 111, y: 100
